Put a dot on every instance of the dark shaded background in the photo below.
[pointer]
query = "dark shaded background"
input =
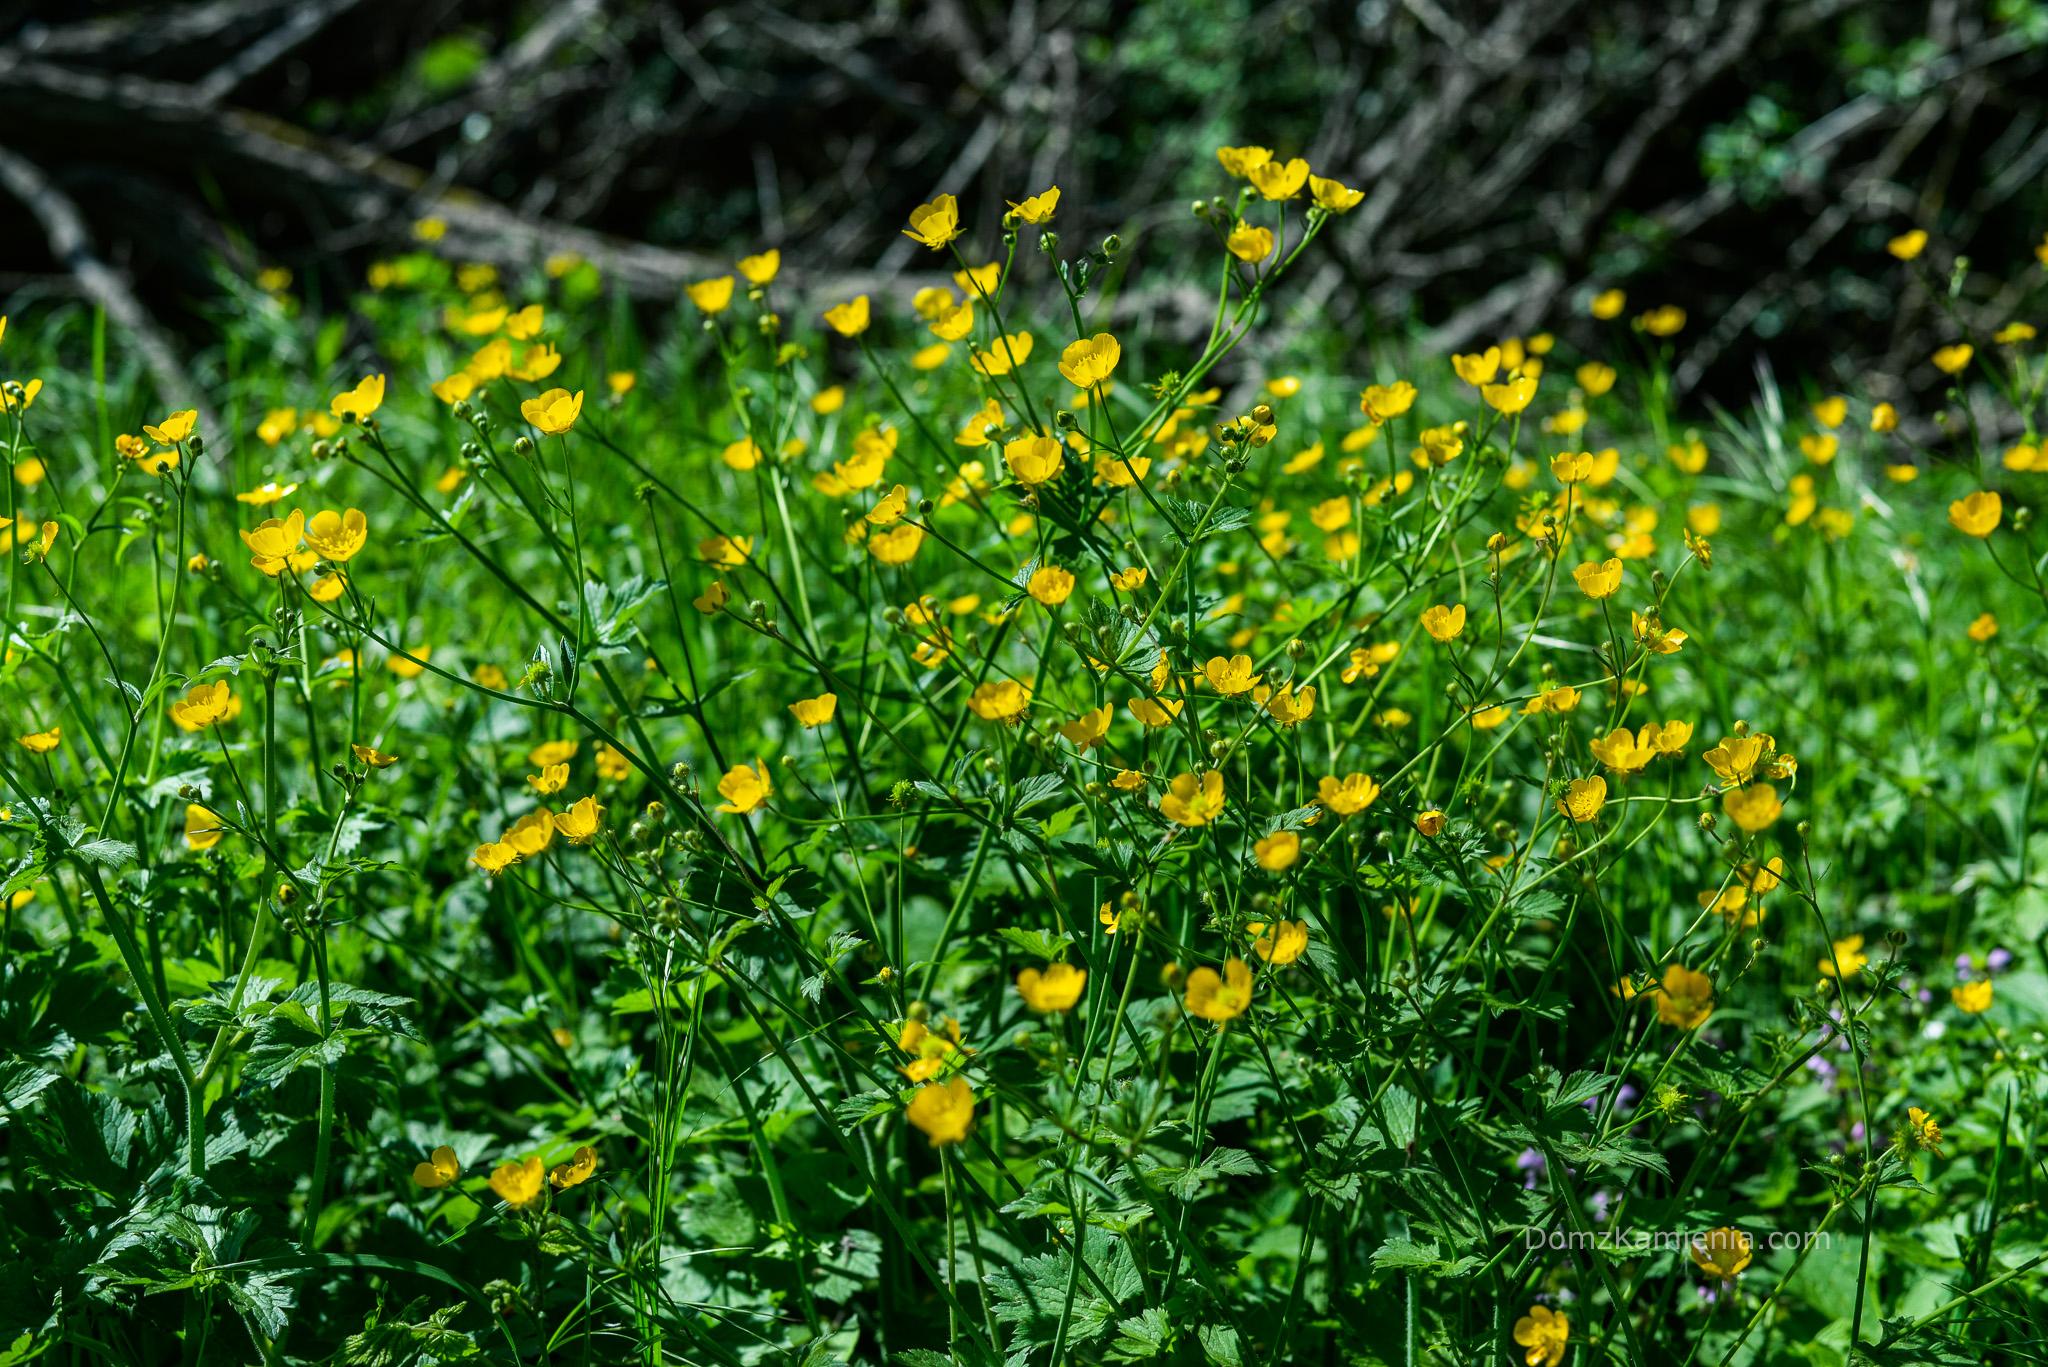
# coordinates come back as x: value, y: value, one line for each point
x: 1746, y: 159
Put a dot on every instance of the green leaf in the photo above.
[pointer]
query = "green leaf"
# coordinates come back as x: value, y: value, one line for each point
x: 1400, y: 1252
x: 1036, y: 943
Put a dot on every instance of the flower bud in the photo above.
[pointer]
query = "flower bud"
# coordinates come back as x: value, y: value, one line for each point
x: 287, y: 894
x: 197, y: 444
x: 917, y: 1011
x: 1263, y: 415
x: 523, y: 447
x: 1112, y: 244
x: 1048, y: 242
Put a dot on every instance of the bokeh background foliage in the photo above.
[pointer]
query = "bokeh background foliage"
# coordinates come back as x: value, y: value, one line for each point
x: 1741, y: 158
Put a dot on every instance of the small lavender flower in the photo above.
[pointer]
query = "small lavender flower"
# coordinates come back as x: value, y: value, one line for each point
x: 1531, y: 1162
x: 1965, y: 966
x: 1998, y: 960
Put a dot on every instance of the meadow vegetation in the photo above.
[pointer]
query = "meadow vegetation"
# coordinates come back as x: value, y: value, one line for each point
x: 930, y: 830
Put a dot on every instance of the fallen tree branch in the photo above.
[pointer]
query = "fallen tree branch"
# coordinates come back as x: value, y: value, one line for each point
x: 71, y: 245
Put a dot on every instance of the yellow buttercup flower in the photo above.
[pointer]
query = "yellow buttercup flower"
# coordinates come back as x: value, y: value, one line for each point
x: 725, y: 550
x: 1907, y: 245
x: 1445, y: 624
x: 440, y: 1169
x: 1278, y: 180
x: 1277, y: 853
x: 1951, y: 360
x: 1583, y: 798
x: 1232, y: 676
x: 1597, y: 579
x: 1334, y: 196
x: 178, y: 426
x: 531, y: 834
x: 742, y: 454
x: 553, y: 752
x: 536, y: 363
x: 1002, y: 355
x: 577, y: 1170
x: 849, y: 319
x: 744, y: 789
x: 520, y: 1182
x: 1285, y: 942
x: 1623, y: 752
x: 581, y: 820
x: 1383, y: 401
x: 273, y: 541
x: 1925, y: 1132
x: 337, y: 536
x: 1038, y: 208
x: 1220, y: 997
x: 760, y: 270
x: 897, y: 546
x: 1512, y: 397
x: 1846, y: 960
x: 1089, y: 729
x: 372, y: 756
x: 1753, y: 808
x: 712, y: 296
x: 265, y: 494
x: 1034, y: 460
x: 1090, y: 362
x: 935, y: 224
x: 1542, y: 1331
x: 358, y: 403
x: 1685, y: 999
x: 1736, y: 758
x: 980, y: 280
x: 1972, y: 998
x: 1607, y: 304
x: 203, y: 705
x: 1003, y: 700
x: 409, y: 663
x: 494, y: 857
x: 811, y: 713
x: 1350, y: 796
x: 554, y: 412
x: 1430, y: 823
x: 1051, y: 585
x: 1830, y: 412
x: 1249, y: 244
x: 1478, y: 368
x: 526, y: 323
x: 1721, y: 1253
x: 1155, y: 712
x: 1239, y: 161
x: 1666, y: 320
x: 551, y: 779
x: 1976, y: 514
x: 1056, y: 989
x: 1193, y: 801
x: 1289, y: 707
x: 203, y: 828
x: 943, y: 1110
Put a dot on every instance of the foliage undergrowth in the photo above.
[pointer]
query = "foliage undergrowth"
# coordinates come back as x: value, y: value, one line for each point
x: 939, y: 834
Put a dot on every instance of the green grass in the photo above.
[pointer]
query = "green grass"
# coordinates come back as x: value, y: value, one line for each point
x: 224, y: 1064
